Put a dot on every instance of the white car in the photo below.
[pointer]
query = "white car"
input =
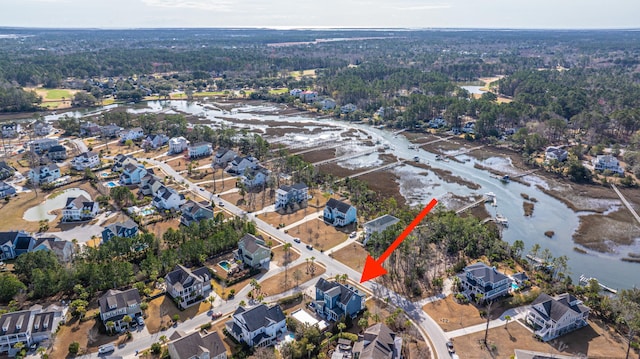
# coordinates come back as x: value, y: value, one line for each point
x: 107, y: 348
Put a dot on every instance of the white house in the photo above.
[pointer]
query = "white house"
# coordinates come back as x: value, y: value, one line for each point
x: 41, y: 128
x: 115, y: 304
x: 196, y: 346
x: 479, y: 278
x: 29, y: 327
x: 178, y: 144
x: 607, y: 162
x: 552, y: 317
x: 41, y: 145
x: 132, y: 134
x: 200, y: 149
x: 79, y: 209
x: 223, y: 156
x: 155, y: 141
x: 259, y: 326
x: 10, y: 129
x: 188, y: 287
x: 85, y: 160
x: 44, y: 174
x: 348, y: 108
x: 378, y: 225
x: 339, y: 213
x: 255, y: 177
x: 168, y: 198
x: 553, y: 153
x: 295, y: 194
x: 240, y: 164
x: 295, y: 92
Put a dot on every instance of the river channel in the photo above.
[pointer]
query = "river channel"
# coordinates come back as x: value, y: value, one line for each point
x: 549, y: 215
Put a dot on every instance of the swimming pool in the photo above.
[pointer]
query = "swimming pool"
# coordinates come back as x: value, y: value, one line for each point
x: 225, y: 265
x: 147, y: 212
x: 111, y: 184
x: 104, y: 174
x: 514, y: 286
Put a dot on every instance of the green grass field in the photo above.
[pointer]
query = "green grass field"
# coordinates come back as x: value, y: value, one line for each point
x: 57, y: 94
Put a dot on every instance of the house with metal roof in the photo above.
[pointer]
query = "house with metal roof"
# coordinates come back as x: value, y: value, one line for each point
x: 334, y: 300
x: 378, y: 225
x: 188, y: 287
x: 339, y: 213
x: 259, y: 326
x: 552, y: 317
x: 196, y: 345
x: 479, y: 278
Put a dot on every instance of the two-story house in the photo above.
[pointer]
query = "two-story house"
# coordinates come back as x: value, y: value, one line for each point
x: 127, y: 229
x: 291, y: 195
x: 85, y: 160
x: 178, y: 144
x: 150, y: 184
x: 115, y: 304
x: 335, y: 300
x: 188, y: 287
x: 79, y: 209
x: 378, y: 342
x: 168, y: 198
x: 133, y: 134
x: 90, y: 129
x: 42, y: 145
x: 223, y: 156
x: 552, y: 317
x: 308, y: 96
x: 195, y: 212
x: 155, y: 141
x: 132, y: 174
x: 57, y: 152
x: 6, y: 170
x: 44, y: 174
x: 196, y: 346
x: 328, y: 104
x: 15, y: 243
x: 607, y: 162
x: 41, y: 128
x: 110, y: 130
x: 553, y: 153
x: 6, y: 190
x: 29, y: 327
x: 253, y: 252
x: 338, y: 213
x: 479, y: 278
x: 255, y: 177
x: 120, y: 161
x: 259, y: 326
x: 200, y: 149
x: 239, y: 164
x: 348, y: 108
x: 378, y: 225
x: 64, y: 250
x: 10, y: 130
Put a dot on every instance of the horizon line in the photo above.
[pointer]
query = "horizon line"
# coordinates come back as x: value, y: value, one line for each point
x: 326, y: 28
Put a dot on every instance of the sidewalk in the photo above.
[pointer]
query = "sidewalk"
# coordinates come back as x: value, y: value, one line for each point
x: 307, y: 218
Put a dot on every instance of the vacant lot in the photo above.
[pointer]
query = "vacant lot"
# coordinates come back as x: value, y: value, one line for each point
x: 321, y: 235
x: 277, y: 284
x: 182, y: 164
x: 86, y: 333
x: 352, y: 256
x: 451, y: 315
x: 591, y: 341
x: 159, y: 228
x: 162, y: 309
x: 275, y: 218
x: 278, y: 255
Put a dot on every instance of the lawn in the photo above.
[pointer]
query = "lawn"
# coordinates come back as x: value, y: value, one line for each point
x: 276, y: 284
x: 321, y: 235
x: 162, y: 309
x: 353, y: 256
x: 591, y: 341
x: 278, y: 255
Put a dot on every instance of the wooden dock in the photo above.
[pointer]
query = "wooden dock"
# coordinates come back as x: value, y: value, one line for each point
x: 474, y: 204
x: 586, y: 280
x: 345, y: 157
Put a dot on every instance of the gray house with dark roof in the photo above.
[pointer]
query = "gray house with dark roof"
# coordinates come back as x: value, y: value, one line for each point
x: 6, y: 170
x: 339, y: 213
x: 479, y: 278
x: 259, y: 326
x: 115, y: 304
x: 196, y: 345
x: 253, y: 252
x: 289, y: 195
x: 552, y: 317
x: 6, y: 190
x: 335, y: 300
x: 378, y: 342
x: 188, y: 287
x: 15, y: 243
x: 195, y: 212
x: 378, y: 225
x: 125, y: 229
x: 28, y: 326
x: 57, y: 152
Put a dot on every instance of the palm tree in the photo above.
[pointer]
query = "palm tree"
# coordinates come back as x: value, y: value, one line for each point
x: 507, y: 318
x: 211, y: 300
x: 286, y: 259
x: 310, y: 348
x: 341, y: 326
x: 110, y: 325
x: 127, y: 319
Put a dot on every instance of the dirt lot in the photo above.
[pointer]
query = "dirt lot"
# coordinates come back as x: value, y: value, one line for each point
x: 352, y: 256
x: 163, y: 308
x: 321, y: 235
x: 86, y: 333
x: 277, y: 285
x: 275, y: 218
x: 278, y: 255
x: 591, y: 341
x: 451, y: 315
x: 159, y: 228
x: 181, y: 164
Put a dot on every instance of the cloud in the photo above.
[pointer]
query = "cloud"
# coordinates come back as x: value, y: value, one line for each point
x: 209, y: 5
x: 424, y: 7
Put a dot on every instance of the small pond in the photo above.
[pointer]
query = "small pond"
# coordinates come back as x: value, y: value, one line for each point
x: 56, y: 201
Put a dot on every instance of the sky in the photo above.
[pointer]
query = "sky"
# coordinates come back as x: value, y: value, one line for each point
x: 519, y: 14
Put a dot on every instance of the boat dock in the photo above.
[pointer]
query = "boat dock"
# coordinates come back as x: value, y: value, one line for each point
x: 474, y: 204
x: 586, y: 280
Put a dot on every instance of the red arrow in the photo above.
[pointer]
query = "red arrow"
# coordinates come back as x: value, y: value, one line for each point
x: 373, y: 268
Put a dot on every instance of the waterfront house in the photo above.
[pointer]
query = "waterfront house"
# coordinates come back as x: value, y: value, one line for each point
x: 259, y: 326
x: 178, y: 144
x: 116, y: 304
x: 42, y: 145
x: 155, y: 141
x: 62, y: 249
x: 195, y: 212
x: 200, y: 149
x: 328, y: 104
x: 110, y: 130
x: 239, y: 164
x: 127, y: 229
x: 607, y: 162
x: 29, y: 327
x: 6, y: 170
x: 255, y: 177
x: 79, y: 209
x: 334, y: 300
x: 295, y: 92
x: 378, y: 342
x: 196, y: 346
x: 85, y: 160
x: 552, y: 317
x: 223, y: 156
x: 41, y: 128
x: 553, y: 153
x: 57, y: 153
x: 132, y: 174
x: 348, y: 108
x: 10, y: 130
x: 188, y: 287
x: 338, y: 213
x: 44, y: 174
x: 6, y: 190
x: 378, y: 225
x: 289, y: 195
x: 133, y: 134
x: 308, y: 96
x: 253, y: 252
x: 479, y: 278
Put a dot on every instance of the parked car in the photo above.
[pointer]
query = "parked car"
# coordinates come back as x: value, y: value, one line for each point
x: 107, y: 348
x: 353, y: 234
x: 216, y: 314
x: 450, y: 347
x: 297, y: 240
x: 309, y: 247
x: 221, y: 204
x: 140, y: 321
